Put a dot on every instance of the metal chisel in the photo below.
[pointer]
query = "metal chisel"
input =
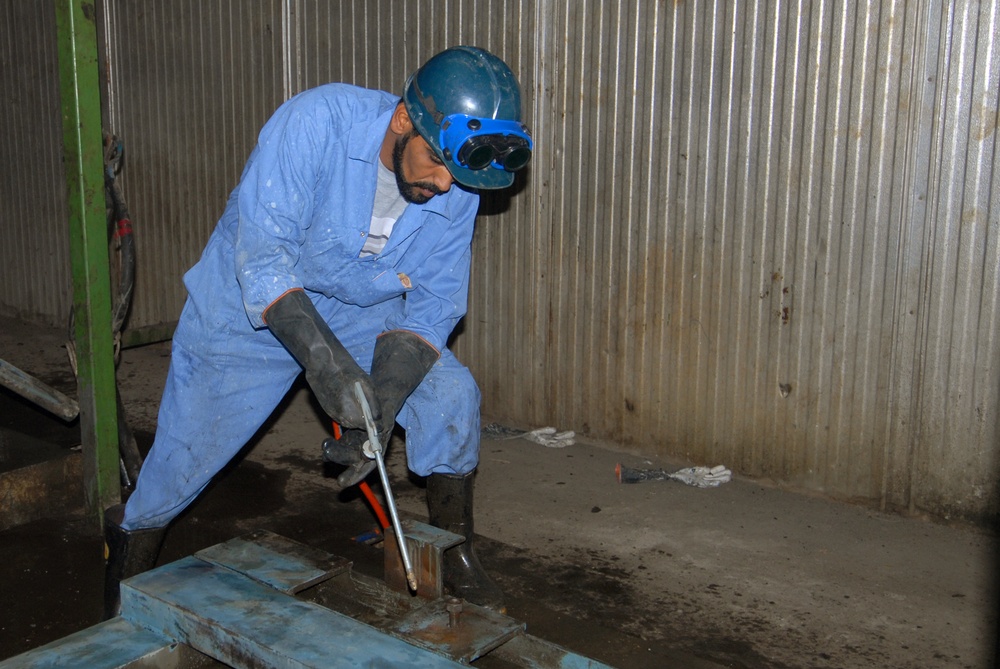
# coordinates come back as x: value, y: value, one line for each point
x: 375, y: 447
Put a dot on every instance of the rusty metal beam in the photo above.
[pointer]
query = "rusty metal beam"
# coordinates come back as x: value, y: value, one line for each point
x: 232, y: 602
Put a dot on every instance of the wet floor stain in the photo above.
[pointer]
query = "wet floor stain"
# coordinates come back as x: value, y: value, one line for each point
x: 586, y: 600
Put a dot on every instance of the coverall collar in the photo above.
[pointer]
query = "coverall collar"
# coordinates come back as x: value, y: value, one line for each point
x: 365, y: 142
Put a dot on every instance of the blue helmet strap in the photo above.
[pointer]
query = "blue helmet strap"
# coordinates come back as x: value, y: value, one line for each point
x: 477, y: 143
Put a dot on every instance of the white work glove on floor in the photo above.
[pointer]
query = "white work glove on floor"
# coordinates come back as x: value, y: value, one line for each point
x: 548, y: 437
x: 703, y: 477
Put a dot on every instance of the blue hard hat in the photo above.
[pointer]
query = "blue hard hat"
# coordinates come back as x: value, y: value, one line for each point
x: 466, y: 104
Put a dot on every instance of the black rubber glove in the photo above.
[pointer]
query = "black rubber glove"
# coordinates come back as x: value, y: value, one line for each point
x: 400, y: 362
x: 348, y: 451
x: 330, y: 370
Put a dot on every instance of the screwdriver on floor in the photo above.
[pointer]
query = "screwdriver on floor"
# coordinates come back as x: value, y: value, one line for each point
x: 373, y: 449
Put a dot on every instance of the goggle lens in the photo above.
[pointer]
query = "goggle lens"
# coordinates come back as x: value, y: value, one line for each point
x: 476, y: 155
x: 516, y: 159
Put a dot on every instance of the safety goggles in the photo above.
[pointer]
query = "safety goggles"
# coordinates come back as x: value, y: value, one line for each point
x: 477, y: 143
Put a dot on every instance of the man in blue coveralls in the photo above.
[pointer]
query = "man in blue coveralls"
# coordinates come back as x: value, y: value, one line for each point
x: 345, y: 247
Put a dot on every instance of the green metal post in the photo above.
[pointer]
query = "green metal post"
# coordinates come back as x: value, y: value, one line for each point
x: 76, y: 22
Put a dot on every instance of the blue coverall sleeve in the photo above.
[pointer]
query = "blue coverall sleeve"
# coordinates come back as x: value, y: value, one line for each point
x: 440, y: 294
x: 275, y: 201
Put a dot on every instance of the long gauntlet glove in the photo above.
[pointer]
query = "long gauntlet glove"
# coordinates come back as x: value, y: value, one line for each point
x: 330, y: 370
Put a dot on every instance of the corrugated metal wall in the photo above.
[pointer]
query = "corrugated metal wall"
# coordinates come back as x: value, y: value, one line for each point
x: 35, y: 280
x: 756, y: 233
x: 191, y: 83
x: 943, y: 442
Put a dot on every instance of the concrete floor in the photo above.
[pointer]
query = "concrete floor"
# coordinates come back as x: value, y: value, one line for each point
x: 655, y: 574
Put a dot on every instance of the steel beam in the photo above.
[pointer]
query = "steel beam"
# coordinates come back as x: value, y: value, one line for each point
x: 244, y: 624
x: 38, y: 392
x: 113, y: 644
x: 232, y: 602
x: 76, y: 22
x: 426, y: 545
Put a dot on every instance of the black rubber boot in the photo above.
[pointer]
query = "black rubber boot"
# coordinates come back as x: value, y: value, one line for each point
x: 127, y: 552
x: 449, y: 500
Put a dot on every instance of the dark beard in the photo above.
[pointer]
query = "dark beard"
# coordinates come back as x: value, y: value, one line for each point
x: 407, y: 189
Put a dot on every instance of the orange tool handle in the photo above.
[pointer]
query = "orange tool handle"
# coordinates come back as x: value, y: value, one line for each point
x: 383, y: 520
x: 366, y: 490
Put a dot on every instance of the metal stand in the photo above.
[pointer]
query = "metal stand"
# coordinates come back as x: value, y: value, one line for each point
x: 264, y: 600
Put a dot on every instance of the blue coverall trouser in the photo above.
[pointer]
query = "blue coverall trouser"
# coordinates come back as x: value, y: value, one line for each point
x: 225, y: 380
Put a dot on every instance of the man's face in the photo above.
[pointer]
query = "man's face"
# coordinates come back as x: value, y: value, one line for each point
x: 420, y: 174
